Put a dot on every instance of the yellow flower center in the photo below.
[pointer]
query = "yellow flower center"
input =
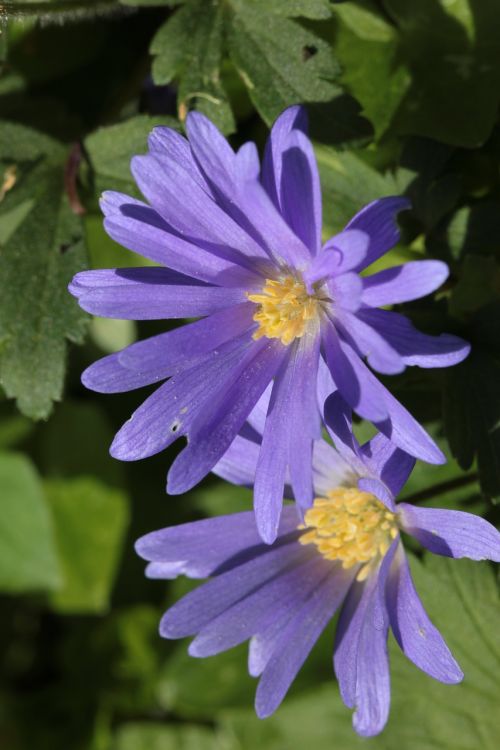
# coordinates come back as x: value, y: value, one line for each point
x: 351, y: 526
x: 285, y: 309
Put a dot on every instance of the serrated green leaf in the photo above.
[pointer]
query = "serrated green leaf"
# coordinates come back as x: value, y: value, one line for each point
x: 189, y: 47
x: 280, y: 61
x: 90, y: 521
x: 28, y: 558
x: 367, y: 47
x: 111, y: 148
x: 462, y: 600
x: 39, y: 257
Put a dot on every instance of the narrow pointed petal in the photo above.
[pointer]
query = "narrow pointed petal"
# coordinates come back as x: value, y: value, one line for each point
x: 299, y: 637
x: 300, y: 194
x: 414, y: 347
x: 203, y: 547
x: 417, y: 637
x: 404, y: 283
x: 392, y: 465
x: 378, y: 220
x: 199, y: 607
x: 451, y: 533
x: 223, y: 415
x: 293, y: 118
x: 381, y: 356
x: 170, y: 411
x: 149, y: 294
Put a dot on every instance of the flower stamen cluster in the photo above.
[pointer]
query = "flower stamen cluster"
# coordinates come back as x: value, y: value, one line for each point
x: 351, y: 526
x: 285, y: 309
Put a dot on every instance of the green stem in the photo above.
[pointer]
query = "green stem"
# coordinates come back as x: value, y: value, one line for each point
x: 441, y: 488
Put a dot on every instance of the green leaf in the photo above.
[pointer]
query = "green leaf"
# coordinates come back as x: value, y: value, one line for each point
x: 90, y: 522
x: 111, y: 148
x: 280, y: 61
x: 451, y: 50
x: 28, y: 560
x: 158, y: 736
x: 188, y: 47
x: 472, y: 415
x: 314, y: 9
x: 367, y: 47
x: 462, y: 600
x: 40, y: 255
x: 478, y: 285
x: 201, y: 687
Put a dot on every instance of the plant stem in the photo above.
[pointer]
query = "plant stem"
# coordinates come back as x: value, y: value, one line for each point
x: 441, y: 488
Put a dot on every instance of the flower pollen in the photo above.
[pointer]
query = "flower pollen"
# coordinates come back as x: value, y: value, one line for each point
x: 351, y: 526
x: 285, y: 309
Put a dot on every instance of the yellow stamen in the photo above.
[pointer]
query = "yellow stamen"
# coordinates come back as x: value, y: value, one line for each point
x: 351, y: 526
x: 285, y: 309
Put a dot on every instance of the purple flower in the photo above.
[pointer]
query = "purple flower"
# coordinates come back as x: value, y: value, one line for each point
x: 347, y: 554
x: 240, y: 249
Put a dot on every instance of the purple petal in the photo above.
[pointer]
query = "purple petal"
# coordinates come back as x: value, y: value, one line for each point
x: 273, y: 456
x: 330, y: 469
x: 345, y: 291
x: 154, y: 359
x: 367, y: 396
x: 170, y: 411
x: 213, y: 152
x: 190, y: 210
x: 256, y: 611
x: 452, y: 533
x: 355, y: 382
x: 300, y: 190
x: 201, y: 606
x: 350, y: 248
x: 338, y: 419
x: 361, y: 660
x: 239, y: 462
x: 416, y: 348
x: 224, y: 413
x: 149, y: 294
x: 138, y: 227
x: 293, y: 118
x: 389, y: 463
x: 417, y: 637
x: 169, y: 147
x: 298, y: 638
x: 404, y: 283
x: 378, y: 220
x: 165, y: 571
x: 247, y: 162
x: 268, y: 640
x: 201, y: 547
x: 381, y: 356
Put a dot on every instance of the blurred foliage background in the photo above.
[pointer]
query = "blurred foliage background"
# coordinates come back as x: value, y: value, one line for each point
x: 403, y: 97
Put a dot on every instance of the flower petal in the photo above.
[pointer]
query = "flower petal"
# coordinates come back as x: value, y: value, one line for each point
x: 378, y: 220
x: 149, y: 294
x: 293, y: 118
x: 414, y: 347
x: 239, y: 462
x: 223, y: 414
x: 355, y: 382
x: 300, y: 190
x: 452, y: 533
x: 255, y: 611
x: 298, y: 638
x: 140, y: 228
x: 404, y: 283
x: 201, y: 548
x: 170, y: 411
x: 201, y: 606
x: 381, y: 356
x: 389, y: 463
x: 417, y: 637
